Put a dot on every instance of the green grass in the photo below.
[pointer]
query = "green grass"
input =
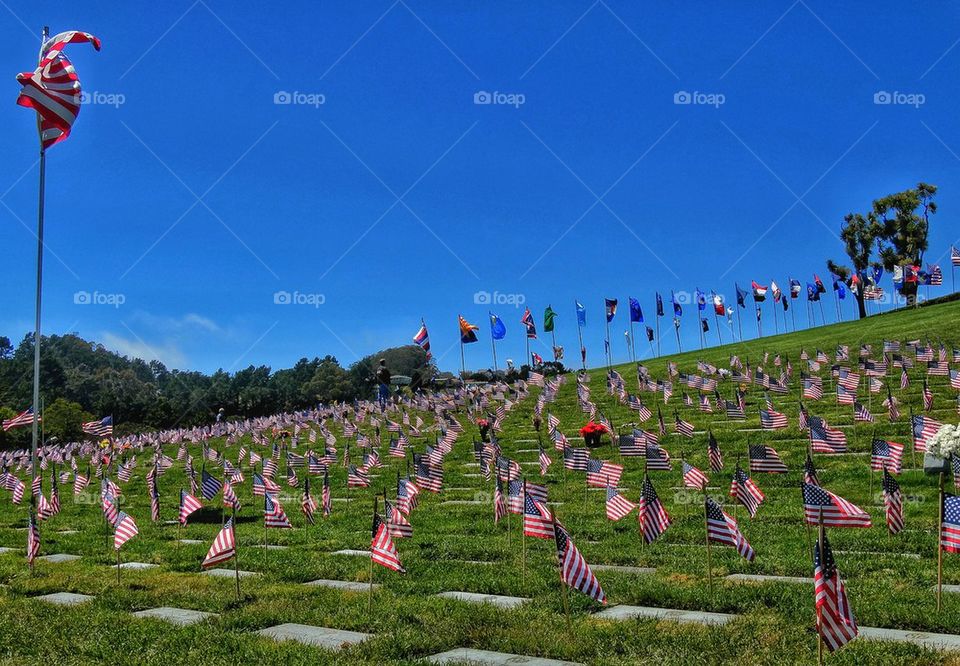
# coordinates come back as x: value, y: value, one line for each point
x: 775, y: 623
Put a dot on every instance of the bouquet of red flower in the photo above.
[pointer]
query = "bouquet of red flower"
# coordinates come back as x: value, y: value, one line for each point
x: 484, y: 426
x: 592, y: 432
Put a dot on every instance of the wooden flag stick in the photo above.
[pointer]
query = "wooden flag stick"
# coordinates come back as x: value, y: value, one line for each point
x: 523, y: 541
x: 819, y: 612
x: 706, y: 527
x: 563, y: 584
x: 118, y: 565
x: 236, y: 556
x: 370, y: 595
x: 940, y: 548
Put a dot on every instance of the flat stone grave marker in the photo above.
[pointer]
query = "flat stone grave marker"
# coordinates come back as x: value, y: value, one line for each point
x: 66, y: 531
x: 190, y: 542
x: 913, y: 556
x: 487, y: 658
x: 229, y: 573
x: 682, y: 616
x: 472, y: 476
x: 461, y: 502
x: 352, y: 552
x: 347, y: 585
x: 951, y: 589
x: 65, y: 598
x: 623, y: 569
x: 179, y: 616
x: 59, y: 558
x: 756, y: 578
x: 5, y: 549
x: 271, y: 546
x: 494, y: 599
x: 935, y: 641
x: 138, y: 566
x: 333, y: 639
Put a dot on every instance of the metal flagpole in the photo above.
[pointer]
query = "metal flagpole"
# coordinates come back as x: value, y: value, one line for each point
x: 632, y: 342
x: 36, y: 335
x: 583, y: 359
x: 493, y: 345
x: 739, y: 323
x: 608, y: 350
x: 529, y: 360
x: 676, y: 328
x: 658, y: 336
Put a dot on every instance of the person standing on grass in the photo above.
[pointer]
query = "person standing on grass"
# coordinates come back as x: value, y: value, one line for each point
x: 383, y: 384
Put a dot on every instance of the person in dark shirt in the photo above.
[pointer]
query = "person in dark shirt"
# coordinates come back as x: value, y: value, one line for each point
x: 383, y: 383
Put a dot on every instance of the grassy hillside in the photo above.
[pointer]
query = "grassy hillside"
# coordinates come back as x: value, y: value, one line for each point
x: 887, y: 584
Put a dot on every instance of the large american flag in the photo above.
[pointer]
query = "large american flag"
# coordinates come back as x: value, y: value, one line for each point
x: 101, y: 428
x: 651, y: 514
x: 574, y: 570
x: 723, y: 529
x: 835, y: 620
x: 223, y: 547
x: 21, y: 419
x: 834, y: 510
x: 53, y: 89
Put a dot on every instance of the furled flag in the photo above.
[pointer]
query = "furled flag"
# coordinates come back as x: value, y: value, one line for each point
x: 818, y: 284
x: 548, y: 316
x: 610, y: 307
x: 581, y: 314
x: 677, y: 310
x: 497, y: 328
x: 714, y: 453
x: 892, y: 503
x: 659, y: 305
x: 33, y: 540
x: 723, y: 529
x: 53, y: 89
x: 651, y: 514
x: 574, y: 570
x: 422, y: 338
x: 468, y: 332
x: 701, y: 299
x: 382, y: 550
x: 636, y: 314
x: 527, y: 321
x: 124, y: 529
x: 223, y: 547
x: 835, y: 620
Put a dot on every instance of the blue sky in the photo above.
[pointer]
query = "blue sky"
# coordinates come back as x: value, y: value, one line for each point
x: 383, y: 193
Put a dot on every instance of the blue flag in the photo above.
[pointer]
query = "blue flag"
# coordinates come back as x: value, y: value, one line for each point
x: 741, y: 295
x: 497, y: 329
x: 610, y: 305
x: 581, y: 314
x: 701, y: 300
x: 659, y: 305
x: 636, y: 314
x: 677, y: 310
x: 813, y: 294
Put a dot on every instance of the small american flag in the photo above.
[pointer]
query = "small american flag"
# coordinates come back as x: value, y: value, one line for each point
x: 950, y: 530
x: 601, y: 473
x: 723, y: 529
x: 499, y: 503
x: 835, y: 620
x: 618, y: 506
x: 923, y: 429
x: 834, y: 510
x: 33, y: 540
x: 714, y: 453
x: 101, y: 428
x: 397, y: 524
x: 745, y: 491
x: 124, y: 529
x: 824, y: 439
x: 893, y: 503
x: 382, y: 549
x: 886, y: 455
x: 651, y: 514
x: 537, y: 519
x: 861, y: 413
x: 574, y: 570
x: 771, y: 420
x: 545, y: 462
x: 693, y: 477
x: 188, y: 504
x: 209, y: 485
x: 273, y: 513
x: 307, y: 504
x: 223, y: 547
x: 764, y: 458
x: 810, y: 471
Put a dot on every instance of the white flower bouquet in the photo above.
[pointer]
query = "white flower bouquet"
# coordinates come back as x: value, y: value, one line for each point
x: 945, y: 443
